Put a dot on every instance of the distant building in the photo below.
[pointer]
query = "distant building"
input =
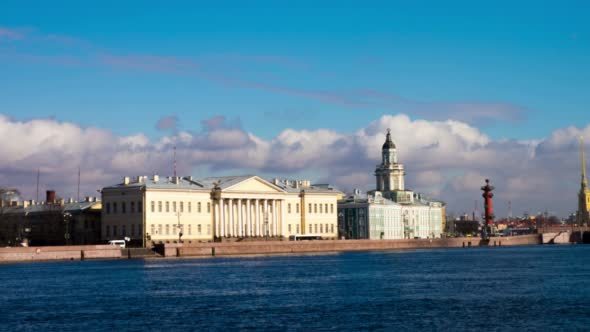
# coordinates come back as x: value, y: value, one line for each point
x: 583, y: 214
x: 49, y: 223
x: 390, y: 211
x: 463, y: 226
x: 230, y: 208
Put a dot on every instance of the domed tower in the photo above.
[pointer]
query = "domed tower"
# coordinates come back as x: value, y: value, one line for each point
x: 390, y: 174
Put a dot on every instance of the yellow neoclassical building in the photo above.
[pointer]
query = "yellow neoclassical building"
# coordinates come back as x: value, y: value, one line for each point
x: 156, y: 209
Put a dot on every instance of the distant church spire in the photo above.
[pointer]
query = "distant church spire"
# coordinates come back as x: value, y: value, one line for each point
x: 583, y: 162
x: 583, y: 216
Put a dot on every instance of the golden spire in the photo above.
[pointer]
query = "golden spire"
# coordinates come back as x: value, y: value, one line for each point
x: 583, y: 160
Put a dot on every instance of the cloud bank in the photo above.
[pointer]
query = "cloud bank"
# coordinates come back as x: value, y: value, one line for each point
x: 448, y: 159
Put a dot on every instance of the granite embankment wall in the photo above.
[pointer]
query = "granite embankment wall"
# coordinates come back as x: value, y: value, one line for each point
x: 288, y: 247
x: 23, y: 254
x: 19, y: 254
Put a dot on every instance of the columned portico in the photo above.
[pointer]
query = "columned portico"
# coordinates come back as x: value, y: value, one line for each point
x: 245, y: 217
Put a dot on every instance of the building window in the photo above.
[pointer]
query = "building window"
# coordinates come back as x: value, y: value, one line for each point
x: 132, y: 207
x: 289, y: 227
x: 208, y: 207
x: 159, y: 228
x: 199, y: 229
x: 167, y: 206
x: 153, y: 229
x: 139, y: 207
x: 310, y: 229
x: 173, y: 206
x: 190, y: 207
x: 114, y: 207
x: 139, y: 230
x: 181, y: 207
x: 332, y: 208
x: 321, y: 209
x: 159, y: 206
x: 199, y: 207
x: 309, y: 208
x: 123, y: 207
x: 174, y: 229
x: 190, y: 230
x: 123, y: 230
x: 114, y: 230
x: 167, y: 229
x: 326, y: 228
x: 289, y: 210
x: 297, y: 228
x: 132, y: 229
x: 108, y: 208
x: 153, y: 206
x: 297, y: 208
x: 321, y: 228
x: 315, y: 208
x: 332, y: 228
x: 326, y: 210
x: 108, y: 230
x: 316, y: 228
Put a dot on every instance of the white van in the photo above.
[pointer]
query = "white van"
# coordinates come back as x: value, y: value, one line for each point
x: 120, y: 243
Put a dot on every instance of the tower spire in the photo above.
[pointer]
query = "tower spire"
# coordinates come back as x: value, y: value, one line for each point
x: 583, y: 162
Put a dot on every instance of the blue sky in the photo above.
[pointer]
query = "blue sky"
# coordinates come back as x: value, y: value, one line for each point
x: 530, y: 55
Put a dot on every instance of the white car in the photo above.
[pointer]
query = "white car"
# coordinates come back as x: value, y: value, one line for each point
x: 120, y: 243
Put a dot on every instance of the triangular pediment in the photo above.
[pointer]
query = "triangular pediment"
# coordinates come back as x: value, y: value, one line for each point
x: 254, y: 184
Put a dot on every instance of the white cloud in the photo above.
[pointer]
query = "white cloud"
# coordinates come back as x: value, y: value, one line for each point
x: 446, y: 159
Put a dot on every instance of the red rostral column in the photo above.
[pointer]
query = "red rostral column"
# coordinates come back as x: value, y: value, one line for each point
x: 489, y: 208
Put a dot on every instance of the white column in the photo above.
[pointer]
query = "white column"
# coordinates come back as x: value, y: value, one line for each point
x: 240, y: 221
x: 231, y: 231
x: 217, y: 218
x: 282, y: 228
x: 265, y: 219
x: 249, y: 217
x: 222, y: 215
x: 256, y: 218
x: 274, y: 218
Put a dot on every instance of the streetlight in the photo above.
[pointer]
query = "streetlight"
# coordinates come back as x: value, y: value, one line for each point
x: 179, y: 227
x: 406, y: 227
x: 341, y: 228
x: 67, y: 218
x: 266, y: 225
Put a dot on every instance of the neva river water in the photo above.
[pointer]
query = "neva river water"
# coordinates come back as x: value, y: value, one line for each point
x: 519, y: 288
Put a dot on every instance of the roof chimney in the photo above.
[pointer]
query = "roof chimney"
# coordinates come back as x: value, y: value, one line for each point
x: 156, y: 178
x: 50, y: 196
x: 126, y: 180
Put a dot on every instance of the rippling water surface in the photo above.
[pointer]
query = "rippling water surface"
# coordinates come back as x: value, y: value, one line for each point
x: 520, y: 288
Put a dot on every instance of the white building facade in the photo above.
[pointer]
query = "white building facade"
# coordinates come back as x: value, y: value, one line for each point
x: 390, y: 211
x: 183, y: 209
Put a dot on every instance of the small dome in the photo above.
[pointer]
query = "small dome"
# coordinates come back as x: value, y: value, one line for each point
x: 388, y: 142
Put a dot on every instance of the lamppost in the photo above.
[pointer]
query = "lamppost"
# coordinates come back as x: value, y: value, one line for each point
x: 341, y: 228
x: 266, y: 225
x: 67, y: 218
x: 179, y: 227
x: 406, y: 227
